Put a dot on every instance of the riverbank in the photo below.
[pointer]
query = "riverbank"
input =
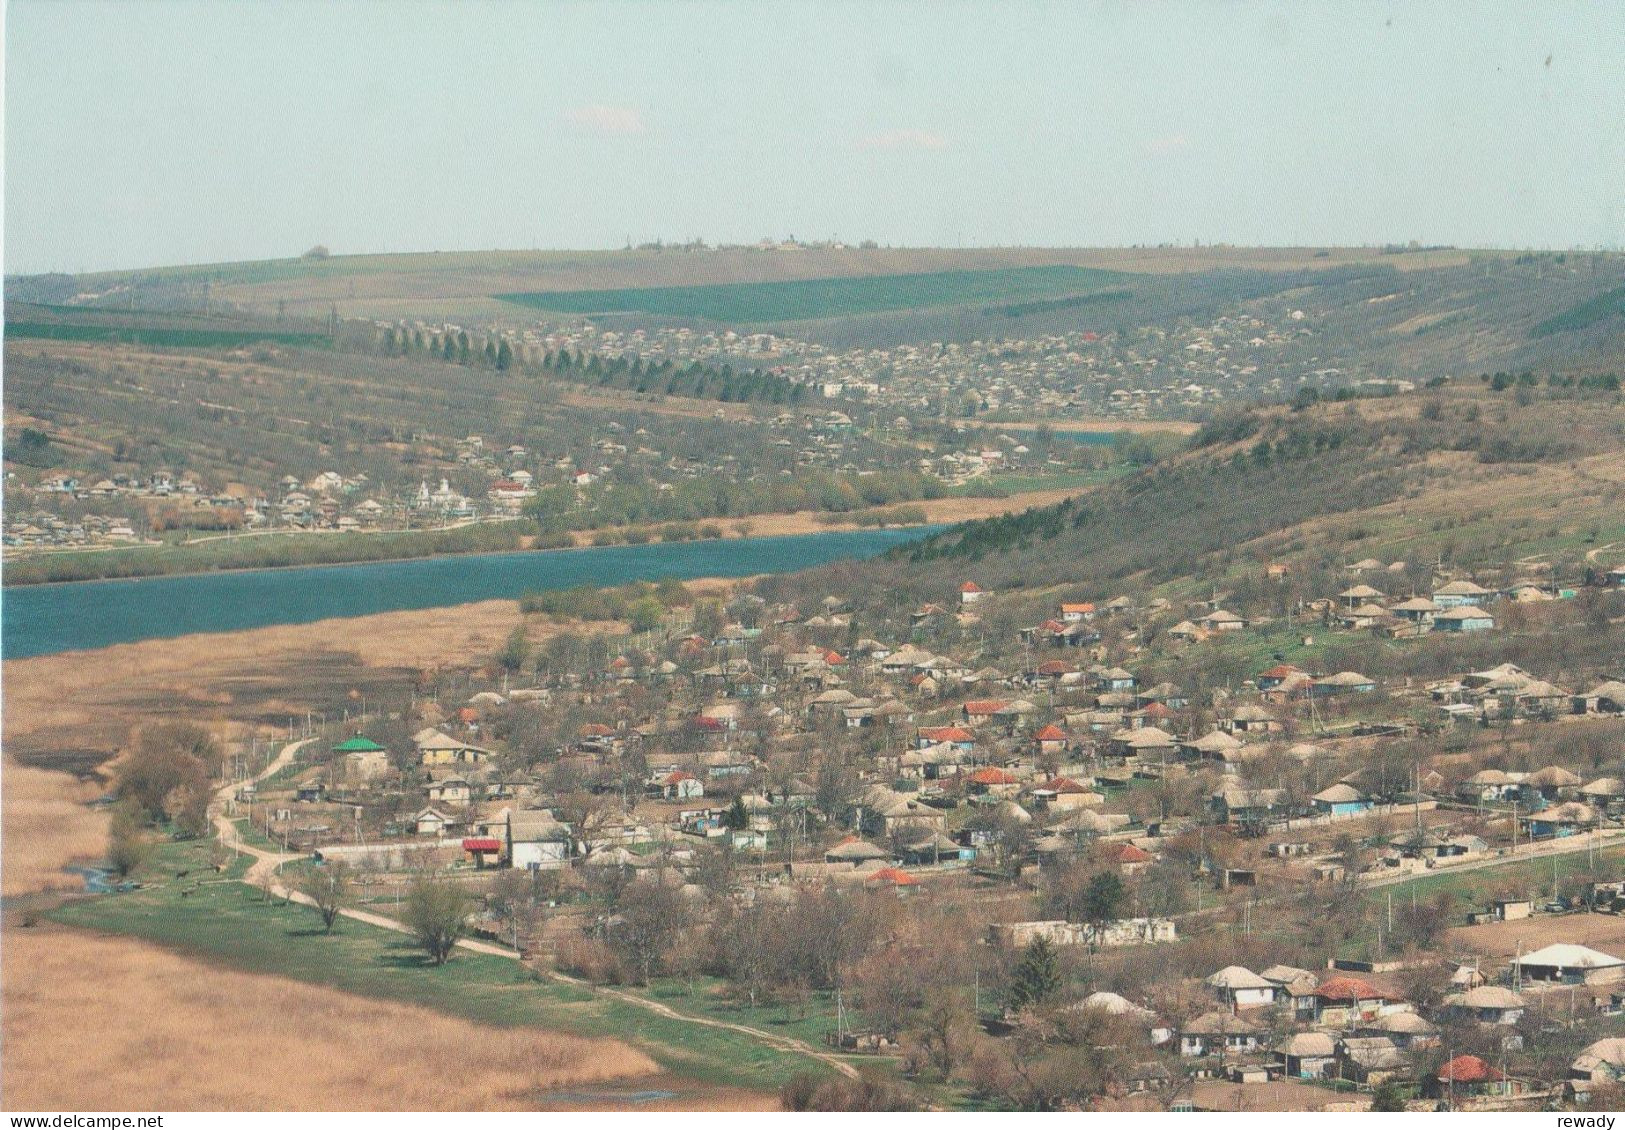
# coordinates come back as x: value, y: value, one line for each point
x: 301, y: 550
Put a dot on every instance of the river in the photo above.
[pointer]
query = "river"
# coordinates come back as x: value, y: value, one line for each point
x: 44, y: 619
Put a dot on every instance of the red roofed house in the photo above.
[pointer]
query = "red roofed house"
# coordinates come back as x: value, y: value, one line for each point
x: 990, y: 779
x: 679, y: 786
x: 980, y: 710
x: 1072, y: 613
x: 891, y: 877
x: 956, y: 736
x: 970, y: 592
x: 1051, y: 739
x: 1342, y: 1000
x: 1468, y: 1077
x: 1125, y: 857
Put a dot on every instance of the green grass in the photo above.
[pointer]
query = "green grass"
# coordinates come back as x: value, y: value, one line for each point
x: 821, y: 298
x: 230, y: 924
x: 156, y: 336
x: 1608, y: 304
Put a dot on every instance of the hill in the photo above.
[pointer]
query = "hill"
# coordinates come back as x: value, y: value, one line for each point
x: 1524, y: 480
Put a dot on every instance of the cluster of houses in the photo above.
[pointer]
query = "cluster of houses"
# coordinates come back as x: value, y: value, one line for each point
x: 1354, y: 1027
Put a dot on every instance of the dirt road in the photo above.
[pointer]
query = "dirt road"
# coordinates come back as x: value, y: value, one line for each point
x: 266, y: 863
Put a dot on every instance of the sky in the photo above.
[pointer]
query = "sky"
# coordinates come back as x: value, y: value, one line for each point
x: 161, y: 132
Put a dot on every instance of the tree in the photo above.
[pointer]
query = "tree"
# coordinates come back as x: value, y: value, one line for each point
x: 645, y: 614
x: 1388, y: 1097
x: 515, y: 651
x: 327, y: 887
x: 1037, y: 976
x: 167, y: 774
x: 127, y: 844
x: 504, y: 356
x: 1103, y: 900
x: 648, y: 926
x: 436, y: 912
x: 736, y: 819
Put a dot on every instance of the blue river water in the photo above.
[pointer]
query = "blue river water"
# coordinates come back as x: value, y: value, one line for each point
x: 43, y: 619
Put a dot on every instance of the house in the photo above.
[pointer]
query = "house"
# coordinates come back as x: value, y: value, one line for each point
x: 537, y: 841
x: 1418, y: 610
x: 1468, y: 1077
x: 1233, y: 804
x: 1278, y: 676
x: 432, y: 822
x: 855, y: 851
x: 1602, y: 1062
x: 1569, y: 964
x: 1215, y: 1033
x: 1239, y: 987
x: 1114, y: 679
x: 1072, y: 613
x: 1465, y: 618
x: 450, y: 790
x: 1604, y: 698
x: 678, y: 785
x: 1341, y: 800
x: 1405, y: 1029
x: 1370, y: 1060
x: 1487, y: 1004
x: 1561, y: 820
x: 1344, y: 682
x: 978, y: 711
x: 435, y: 748
x: 1221, y: 621
x: 1343, y: 1000
x: 970, y: 592
x: 1460, y: 594
x: 1306, y: 1055
x: 1250, y: 718
x: 1050, y: 740
x: 1063, y: 794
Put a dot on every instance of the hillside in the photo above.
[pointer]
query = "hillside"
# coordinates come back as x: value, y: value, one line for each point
x: 1526, y: 480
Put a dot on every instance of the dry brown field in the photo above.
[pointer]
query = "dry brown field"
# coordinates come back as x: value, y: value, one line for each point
x: 1504, y: 939
x: 175, y: 1034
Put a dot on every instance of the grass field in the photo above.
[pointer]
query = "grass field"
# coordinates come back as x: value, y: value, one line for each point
x: 230, y: 923
x: 822, y: 298
x: 169, y: 337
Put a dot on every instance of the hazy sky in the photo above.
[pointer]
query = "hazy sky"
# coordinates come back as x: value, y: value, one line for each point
x: 157, y: 132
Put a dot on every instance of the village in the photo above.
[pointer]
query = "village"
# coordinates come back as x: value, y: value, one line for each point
x: 751, y: 754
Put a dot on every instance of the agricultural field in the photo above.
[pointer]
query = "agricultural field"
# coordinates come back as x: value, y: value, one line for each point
x: 747, y: 303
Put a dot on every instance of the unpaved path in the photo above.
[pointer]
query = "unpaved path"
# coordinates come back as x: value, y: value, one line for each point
x: 266, y: 863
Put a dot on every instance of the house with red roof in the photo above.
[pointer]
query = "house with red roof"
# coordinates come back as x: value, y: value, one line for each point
x: 991, y: 779
x: 980, y: 710
x: 1083, y: 610
x: 956, y: 736
x: 677, y: 785
x: 1051, y: 739
x: 1344, y: 1000
x: 970, y: 592
x: 1468, y: 1079
x: 1125, y: 857
x: 894, y: 877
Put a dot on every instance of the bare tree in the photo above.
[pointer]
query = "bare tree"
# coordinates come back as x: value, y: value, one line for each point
x: 327, y: 887
x: 436, y: 912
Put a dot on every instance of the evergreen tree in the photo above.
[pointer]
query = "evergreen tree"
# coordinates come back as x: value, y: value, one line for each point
x: 1037, y: 977
x: 736, y: 818
x: 504, y: 356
